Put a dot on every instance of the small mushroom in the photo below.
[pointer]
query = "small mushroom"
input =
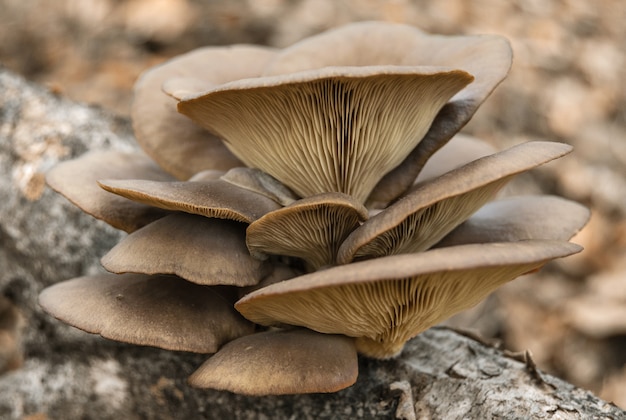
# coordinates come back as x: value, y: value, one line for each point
x: 202, y: 250
x: 386, y: 301
x: 212, y: 198
x: 171, y: 139
x: 76, y: 180
x: 311, y: 228
x: 429, y: 212
x: 160, y: 311
x: 520, y: 218
x: 278, y: 362
x: 261, y: 183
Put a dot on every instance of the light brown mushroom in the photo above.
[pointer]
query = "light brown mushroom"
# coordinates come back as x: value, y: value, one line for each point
x: 311, y: 229
x: 199, y: 249
x: 520, y: 218
x: 160, y: 311
x: 76, y: 180
x: 278, y: 362
x: 386, y: 301
x: 171, y: 139
x: 212, y: 198
x: 429, y: 212
x: 336, y: 129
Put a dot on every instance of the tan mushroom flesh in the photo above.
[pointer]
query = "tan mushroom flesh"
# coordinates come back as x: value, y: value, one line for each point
x: 202, y: 250
x: 386, y: 301
x: 278, y: 362
x: 160, y: 311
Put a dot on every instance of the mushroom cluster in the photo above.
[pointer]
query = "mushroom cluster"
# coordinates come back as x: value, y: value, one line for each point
x: 308, y: 204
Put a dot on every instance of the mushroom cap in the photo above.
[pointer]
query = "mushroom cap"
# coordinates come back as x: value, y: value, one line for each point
x: 386, y: 301
x: 311, y: 228
x: 77, y: 181
x: 160, y: 311
x: 212, y: 198
x: 199, y: 249
x: 156, y: 122
x: 278, y: 362
x: 336, y: 129
x: 429, y: 212
x: 520, y: 218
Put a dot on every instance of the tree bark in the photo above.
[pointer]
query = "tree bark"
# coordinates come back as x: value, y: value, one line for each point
x: 65, y: 373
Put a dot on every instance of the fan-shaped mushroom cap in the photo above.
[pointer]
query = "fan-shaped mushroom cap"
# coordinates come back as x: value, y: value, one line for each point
x: 311, y: 228
x: 212, y: 198
x: 281, y: 362
x: 336, y: 129
x: 386, y: 301
x: 77, y: 180
x: 199, y: 249
x: 157, y: 124
x: 520, y: 218
x: 425, y: 215
x: 160, y: 311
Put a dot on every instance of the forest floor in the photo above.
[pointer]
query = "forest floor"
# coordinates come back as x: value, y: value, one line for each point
x: 565, y: 86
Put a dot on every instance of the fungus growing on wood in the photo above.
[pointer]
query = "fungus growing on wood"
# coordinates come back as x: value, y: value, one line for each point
x: 312, y: 183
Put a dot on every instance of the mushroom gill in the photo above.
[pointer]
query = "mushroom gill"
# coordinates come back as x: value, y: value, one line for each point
x: 386, y: 301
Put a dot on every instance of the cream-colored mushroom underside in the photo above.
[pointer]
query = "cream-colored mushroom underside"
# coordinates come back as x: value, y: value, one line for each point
x: 384, y: 314
x: 335, y: 134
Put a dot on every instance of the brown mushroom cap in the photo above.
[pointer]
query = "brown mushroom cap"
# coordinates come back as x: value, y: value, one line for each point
x: 161, y: 311
x: 199, y: 249
x: 428, y: 213
x: 157, y: 123
x: 212, y: 198
x: 336, y: 129
x: 487, y: 57
x: 281, y: 362
x: 259, y: 182
x: 77, y: 180
x: 386, y: 301
x: 520, y: 218
x: 311, y: 228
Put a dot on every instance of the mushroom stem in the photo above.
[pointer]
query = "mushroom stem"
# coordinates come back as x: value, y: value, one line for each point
x: 379, y: 349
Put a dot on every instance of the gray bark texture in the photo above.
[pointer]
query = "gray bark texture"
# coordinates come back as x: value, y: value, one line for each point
x: 51, y: 371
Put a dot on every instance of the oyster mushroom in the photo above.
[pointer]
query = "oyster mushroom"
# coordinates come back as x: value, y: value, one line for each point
x: 386, y: 301
x: 199, y: 249
x: 311, y: 228
x: 161, y: 311
x: 281, y: 362
x: 336, y: 150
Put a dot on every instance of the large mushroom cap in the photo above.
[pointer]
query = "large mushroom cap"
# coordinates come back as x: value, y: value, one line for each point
x: 199, y: 249
x: 160, y: 311
x: 281, y: 362
x: 337, y: 129
x: 386, y: 301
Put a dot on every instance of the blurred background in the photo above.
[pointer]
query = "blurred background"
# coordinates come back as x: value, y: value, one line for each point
x: 566, y: 85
